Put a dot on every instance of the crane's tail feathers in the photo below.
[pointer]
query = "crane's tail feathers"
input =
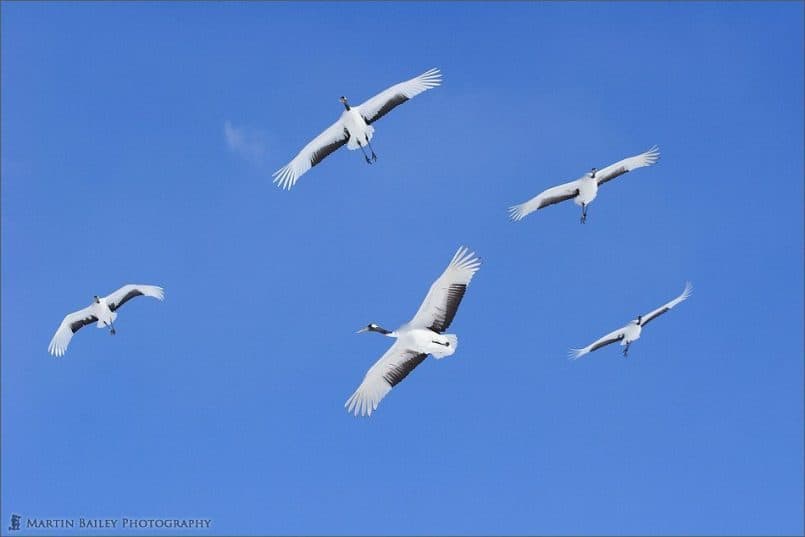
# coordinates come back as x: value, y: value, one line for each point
x: 452, y: 340
x: 354, y: 142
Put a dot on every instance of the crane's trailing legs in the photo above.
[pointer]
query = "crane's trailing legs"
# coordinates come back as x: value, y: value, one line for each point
x: 374, y: 157
x: 583, y: 213
x: 626, y: 349
x: 111, y: 326
x: 368, y: 161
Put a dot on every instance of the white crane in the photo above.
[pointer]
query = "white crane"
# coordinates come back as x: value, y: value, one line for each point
x: 102, y: 310
x: 421, y: 336
x: 584, y: 189
x: 354, y: 127
x: 631, y: 332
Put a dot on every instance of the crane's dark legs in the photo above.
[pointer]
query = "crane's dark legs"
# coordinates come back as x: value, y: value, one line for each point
x: 364, y: 153
x: 583, y: 213
x: 111, y: 326
x: 626, y: 349
x: 374, y: 157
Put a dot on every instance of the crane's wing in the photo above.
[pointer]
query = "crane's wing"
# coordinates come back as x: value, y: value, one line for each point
x: 385, y: 101
x: 612, y: 337
x: 322, y: 145
x: 645, y: 319
x: 71, y: 324
x: 441, y: 303
x: 628, y: 164
x: 382, y: 377
x: 127, y: 292
x: 549, y: 197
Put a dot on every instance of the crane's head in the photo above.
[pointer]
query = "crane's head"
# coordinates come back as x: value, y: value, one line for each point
x: 344, y: 102
x: 638, y: 321
x: 372, y: 327
x: 592, y: 172
x: 96, y: 299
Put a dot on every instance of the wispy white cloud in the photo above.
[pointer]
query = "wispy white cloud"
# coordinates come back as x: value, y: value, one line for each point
x: 246, y: 142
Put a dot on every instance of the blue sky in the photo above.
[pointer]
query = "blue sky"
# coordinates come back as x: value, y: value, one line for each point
x: 138, y: 142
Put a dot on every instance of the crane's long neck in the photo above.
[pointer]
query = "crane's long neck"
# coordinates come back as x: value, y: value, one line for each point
x: 381, y: 330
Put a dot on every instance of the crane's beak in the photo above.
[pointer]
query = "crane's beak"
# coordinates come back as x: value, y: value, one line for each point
x: 362, y: 330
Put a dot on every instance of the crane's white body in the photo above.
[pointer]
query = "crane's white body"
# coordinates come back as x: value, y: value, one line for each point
x: 359, y: 130
x: 631, y: 332
x: 425, y: 340
x: 588, y: 190
x: 105, y: 315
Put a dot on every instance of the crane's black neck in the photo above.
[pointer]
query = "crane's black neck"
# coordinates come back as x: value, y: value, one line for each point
x: 378, y: 329
x: 346, y: 105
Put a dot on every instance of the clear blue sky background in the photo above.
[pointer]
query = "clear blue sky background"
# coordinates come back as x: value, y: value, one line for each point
x: 226, y: 401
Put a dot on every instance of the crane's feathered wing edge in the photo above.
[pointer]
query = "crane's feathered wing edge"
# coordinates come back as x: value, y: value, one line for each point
x: 444, y: 296
x: 71, y: 324
x: 545, y: 198
x: 132, y: 290
x: 314, y: 152
x: 385, y: 101
x: 386, y: 373
x: 612, y: 337
x: 648, y: 317
x: 612, y: 171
